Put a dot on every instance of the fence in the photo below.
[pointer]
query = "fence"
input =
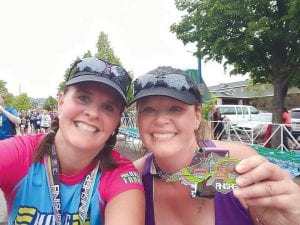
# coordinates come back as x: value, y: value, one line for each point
x: 129, y: 131
x: 256, y: 134
x: 250, y: 132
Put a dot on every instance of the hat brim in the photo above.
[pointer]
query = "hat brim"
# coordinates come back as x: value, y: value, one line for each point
x: 183, y: 96
x: 99, y: 79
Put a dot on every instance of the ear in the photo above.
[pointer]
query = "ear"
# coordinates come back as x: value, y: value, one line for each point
x: 60, y: 101
x: 197, y: 117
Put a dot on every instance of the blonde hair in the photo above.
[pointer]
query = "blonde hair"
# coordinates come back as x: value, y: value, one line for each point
x: 203, y: 132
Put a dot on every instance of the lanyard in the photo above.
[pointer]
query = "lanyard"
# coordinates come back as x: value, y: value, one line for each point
x: 52, y: 168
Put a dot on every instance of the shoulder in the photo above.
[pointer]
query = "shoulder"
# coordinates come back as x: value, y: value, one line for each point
x: 123, y: 178
x: 236, y: 150
x: 140, y: 163
x: 125, y: 165
x: 11, y: 109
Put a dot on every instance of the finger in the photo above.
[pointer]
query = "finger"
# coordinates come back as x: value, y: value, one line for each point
x: 249, y: 163
x: 266, y: 188
x: 280, y: 201
x: 263, y: 171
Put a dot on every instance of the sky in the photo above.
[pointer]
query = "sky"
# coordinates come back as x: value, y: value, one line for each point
x: 40, y: 39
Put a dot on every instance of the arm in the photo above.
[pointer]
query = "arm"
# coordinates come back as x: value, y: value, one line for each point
x: 127, y: 208
x: 123, y: 192
x: 271, y: 195
x: 13, y: 118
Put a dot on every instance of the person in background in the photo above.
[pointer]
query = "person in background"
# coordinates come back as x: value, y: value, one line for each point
x: 73, y: 174
x: 36, y: 122
x: 170, y: 126
x: 286, y: 120
x: 9, y: 119
x: 25, y: 122
x: 45, y: 121
x: 218, y: 125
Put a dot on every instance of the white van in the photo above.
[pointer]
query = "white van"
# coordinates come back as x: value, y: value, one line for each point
x: 295, y: 120
x: 238, y: 113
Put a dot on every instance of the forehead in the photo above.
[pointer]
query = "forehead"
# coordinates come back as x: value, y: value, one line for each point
x: 95, y: 88
x: 158, y: 99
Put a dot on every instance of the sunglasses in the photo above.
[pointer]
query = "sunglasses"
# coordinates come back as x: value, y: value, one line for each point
x: 101, y: 68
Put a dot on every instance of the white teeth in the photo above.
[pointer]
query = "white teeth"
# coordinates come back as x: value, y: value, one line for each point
x: 162, y: 136
x: 85, y: 126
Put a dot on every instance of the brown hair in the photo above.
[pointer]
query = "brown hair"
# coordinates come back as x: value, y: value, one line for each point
x: 105, y: 155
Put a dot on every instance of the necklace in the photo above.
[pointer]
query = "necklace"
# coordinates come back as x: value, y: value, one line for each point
x: 52, y: 169
x: 208, y: 173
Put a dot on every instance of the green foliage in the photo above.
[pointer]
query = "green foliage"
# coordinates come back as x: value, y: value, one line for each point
x: 50, y: 104
x: 251, y: 35
x: 3, y: 89
x: 207, y: 107
x: 105, y: 51
x: 259, y: 37
x: 21, y: 102
x: 8, y: 97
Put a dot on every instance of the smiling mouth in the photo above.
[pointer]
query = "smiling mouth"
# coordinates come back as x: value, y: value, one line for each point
x: 163, y: 136
x: 86, y: 127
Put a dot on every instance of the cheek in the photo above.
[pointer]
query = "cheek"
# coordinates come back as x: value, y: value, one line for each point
x: 112, y: 122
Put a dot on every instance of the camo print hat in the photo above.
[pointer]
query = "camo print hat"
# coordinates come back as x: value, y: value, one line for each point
x: 167, y: 81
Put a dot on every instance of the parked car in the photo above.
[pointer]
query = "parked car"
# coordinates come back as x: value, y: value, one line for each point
x: 238, y: 113
x: 257, y: 126
x: 295, y: 120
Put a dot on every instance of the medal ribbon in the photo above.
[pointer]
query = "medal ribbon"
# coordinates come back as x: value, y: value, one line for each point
x: 52, y: 168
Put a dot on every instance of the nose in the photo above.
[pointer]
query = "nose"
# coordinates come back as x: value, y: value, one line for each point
x: 92, y: 111
x: 162, y: 118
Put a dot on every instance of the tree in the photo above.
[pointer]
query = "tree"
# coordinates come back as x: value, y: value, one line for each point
x: 22, y: 102
x: 50, y: 104
x: 259, y: 37
x: 9, y: 98
x: 3, y: 89
x: 105, y: 52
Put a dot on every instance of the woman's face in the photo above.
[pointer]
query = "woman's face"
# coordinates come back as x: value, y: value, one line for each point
x: 88, y: 115
x: 167, y: 125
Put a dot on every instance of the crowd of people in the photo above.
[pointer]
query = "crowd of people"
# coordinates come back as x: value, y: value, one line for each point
x: 36, y: 121
x: 73, y: 174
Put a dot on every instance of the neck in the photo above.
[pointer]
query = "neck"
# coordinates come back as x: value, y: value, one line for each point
x: 71, y: 161
x: 174, y: 163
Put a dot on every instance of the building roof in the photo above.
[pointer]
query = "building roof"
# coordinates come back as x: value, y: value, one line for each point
x: 240, y: 90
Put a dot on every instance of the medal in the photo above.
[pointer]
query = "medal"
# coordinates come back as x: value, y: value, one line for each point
x: 209, y: 172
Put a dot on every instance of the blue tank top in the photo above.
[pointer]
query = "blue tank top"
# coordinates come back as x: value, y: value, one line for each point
x: 228, y: 209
